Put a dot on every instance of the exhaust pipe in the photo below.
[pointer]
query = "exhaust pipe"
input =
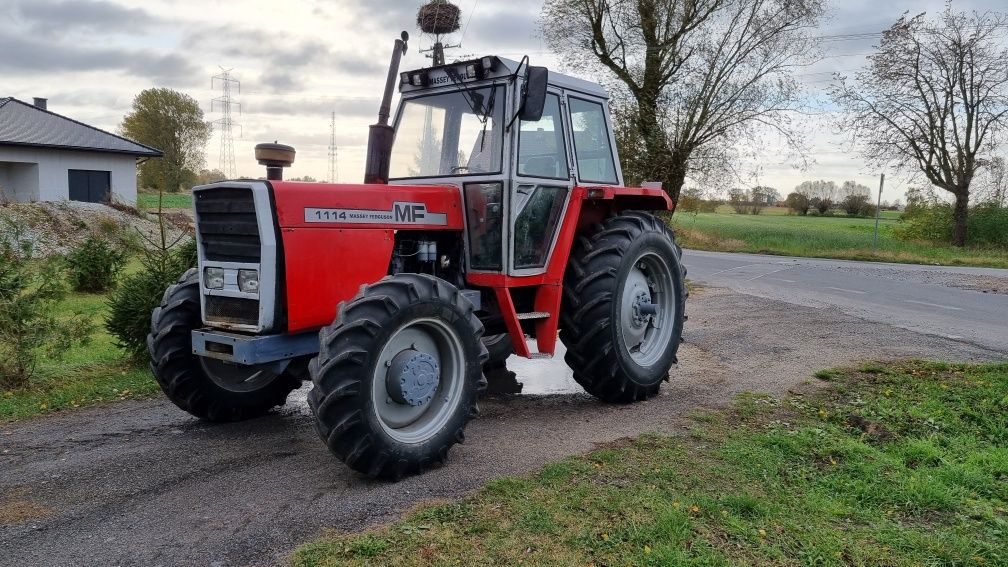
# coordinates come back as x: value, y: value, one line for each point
x: 380, y: 135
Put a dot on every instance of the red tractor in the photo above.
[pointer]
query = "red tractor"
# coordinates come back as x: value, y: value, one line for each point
x: 492, y: 213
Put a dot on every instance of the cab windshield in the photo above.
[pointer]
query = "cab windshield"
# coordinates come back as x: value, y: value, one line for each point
x: 456, y: 133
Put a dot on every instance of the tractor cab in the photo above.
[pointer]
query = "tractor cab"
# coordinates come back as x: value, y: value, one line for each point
x: 516, y: 140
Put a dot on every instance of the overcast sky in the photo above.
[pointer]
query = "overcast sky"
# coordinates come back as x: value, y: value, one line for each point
x: 300, y: 60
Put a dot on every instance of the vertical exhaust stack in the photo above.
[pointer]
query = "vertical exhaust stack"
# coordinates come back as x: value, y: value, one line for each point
x: 380, y: 135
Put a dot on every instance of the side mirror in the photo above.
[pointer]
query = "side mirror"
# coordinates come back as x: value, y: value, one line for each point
x: 536, y: 79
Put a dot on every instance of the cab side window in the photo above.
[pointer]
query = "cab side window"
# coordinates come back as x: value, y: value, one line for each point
x: 591, y: 142
x: 541, y: 150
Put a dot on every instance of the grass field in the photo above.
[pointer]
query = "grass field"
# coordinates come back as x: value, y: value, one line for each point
x: 94, y: 373
x: 820, y: 237
x: 890, y: 466
x: 149, y: 201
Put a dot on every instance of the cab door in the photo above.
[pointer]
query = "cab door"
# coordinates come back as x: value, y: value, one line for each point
x: 540, y: 188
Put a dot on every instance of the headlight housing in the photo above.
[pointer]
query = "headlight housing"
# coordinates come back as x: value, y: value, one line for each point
x: 213, y: 278
x: 248, y: 281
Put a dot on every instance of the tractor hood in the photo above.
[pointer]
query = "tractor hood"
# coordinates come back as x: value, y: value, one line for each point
x: 327, y: 205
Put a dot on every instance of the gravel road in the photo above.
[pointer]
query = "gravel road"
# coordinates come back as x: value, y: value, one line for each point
x: 141, y: 483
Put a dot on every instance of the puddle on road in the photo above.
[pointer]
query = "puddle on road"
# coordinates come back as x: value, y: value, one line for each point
x: 539, y: 377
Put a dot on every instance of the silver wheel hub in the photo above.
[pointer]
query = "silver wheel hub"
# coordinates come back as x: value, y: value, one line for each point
x: 648, y: 309
x: 418, y: 380
x: 413, y: 377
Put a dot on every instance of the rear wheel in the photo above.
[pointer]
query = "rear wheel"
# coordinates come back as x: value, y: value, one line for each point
x: 623, y: 307
x: 397, y: 374
x: 208, y: 388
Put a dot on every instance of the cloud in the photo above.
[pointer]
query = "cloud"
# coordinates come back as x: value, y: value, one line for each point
x: 353, y: 108
x: 28, y: 55
x: 278, y: 53
x: 505, y: 28
x: 59, y: 18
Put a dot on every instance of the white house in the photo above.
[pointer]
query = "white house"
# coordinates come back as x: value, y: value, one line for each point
x: 48, y: 157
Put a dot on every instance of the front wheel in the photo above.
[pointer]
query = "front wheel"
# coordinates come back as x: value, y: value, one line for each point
x: 623, y: 307
x: 205, y: 387
x: 397, y: 374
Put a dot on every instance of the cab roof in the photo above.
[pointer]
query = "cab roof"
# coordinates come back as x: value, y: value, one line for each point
x: 499, y: 67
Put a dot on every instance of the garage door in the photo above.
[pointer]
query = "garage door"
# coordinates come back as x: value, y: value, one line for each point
x: 90, y: 186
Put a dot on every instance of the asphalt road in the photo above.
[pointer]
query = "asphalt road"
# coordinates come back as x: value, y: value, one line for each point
x: 964, y: 304
x: 141, y: 483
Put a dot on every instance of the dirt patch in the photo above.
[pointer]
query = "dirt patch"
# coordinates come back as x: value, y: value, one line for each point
x: 15, y: 508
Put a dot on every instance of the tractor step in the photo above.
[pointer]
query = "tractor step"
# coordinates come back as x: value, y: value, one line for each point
x: 533, y: 315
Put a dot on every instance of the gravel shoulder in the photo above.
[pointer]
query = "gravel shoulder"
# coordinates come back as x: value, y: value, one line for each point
x: 141, y: 483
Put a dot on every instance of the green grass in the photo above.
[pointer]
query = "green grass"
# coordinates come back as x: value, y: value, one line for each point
x: 890, y: 465
x: 94, y: 373
x: 821, y: 237
x: 149, y: 201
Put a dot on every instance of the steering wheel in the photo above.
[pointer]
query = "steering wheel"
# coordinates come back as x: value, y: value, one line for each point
x: 459, y: 168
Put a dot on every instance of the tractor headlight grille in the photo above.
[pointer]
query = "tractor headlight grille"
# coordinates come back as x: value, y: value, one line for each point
x: 227, y: 225
x: 237, y: 245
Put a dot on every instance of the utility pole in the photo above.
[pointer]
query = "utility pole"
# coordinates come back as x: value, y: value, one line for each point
x: 878, y: 213
x: 333, y: 151
x: 225, y: 124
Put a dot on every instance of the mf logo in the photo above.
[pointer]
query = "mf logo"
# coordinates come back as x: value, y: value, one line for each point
x: 409, y: 213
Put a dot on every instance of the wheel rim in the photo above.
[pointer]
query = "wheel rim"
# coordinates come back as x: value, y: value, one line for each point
x: 438, y: 346
x: 648, y: 309
x: 239, y: 377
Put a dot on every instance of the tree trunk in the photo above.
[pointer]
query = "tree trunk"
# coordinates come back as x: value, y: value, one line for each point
x: 677, y: 168
x: 959, y: 217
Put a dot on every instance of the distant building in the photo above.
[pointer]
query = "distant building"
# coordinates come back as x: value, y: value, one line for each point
x: 48, y: 157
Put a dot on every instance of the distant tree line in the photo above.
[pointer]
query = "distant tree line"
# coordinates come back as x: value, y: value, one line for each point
x: 824, y: 197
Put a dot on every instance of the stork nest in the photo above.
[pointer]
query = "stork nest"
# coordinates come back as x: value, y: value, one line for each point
x: 438, y: 17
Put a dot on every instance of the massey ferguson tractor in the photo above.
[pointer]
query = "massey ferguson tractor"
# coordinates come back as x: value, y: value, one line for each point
x: 493, y: 213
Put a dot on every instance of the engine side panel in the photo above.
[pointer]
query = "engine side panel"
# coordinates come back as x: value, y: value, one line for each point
x: 326, y: 266
x: 338, y: 237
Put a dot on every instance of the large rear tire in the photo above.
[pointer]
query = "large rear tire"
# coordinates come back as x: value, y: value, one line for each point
x: 397, y: 375
x: 207, y: 388
x: 623, y: 307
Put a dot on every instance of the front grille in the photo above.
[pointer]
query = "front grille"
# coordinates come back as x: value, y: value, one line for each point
x: 227, y: 226
x: 232, y: 310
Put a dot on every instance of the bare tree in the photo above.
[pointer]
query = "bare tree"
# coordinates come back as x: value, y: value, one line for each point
x: 933, y: 99
x: 698, y: 74
x: 822, y: 194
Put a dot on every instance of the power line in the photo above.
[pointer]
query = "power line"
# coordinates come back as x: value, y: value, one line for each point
x: 468, y: 20
x: 225, y: 124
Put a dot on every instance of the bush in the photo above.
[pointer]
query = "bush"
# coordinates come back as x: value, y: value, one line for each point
x: 95, y: 265
x: 987, y: 224
x: 854, y: 204
x: 30, y: 291
x: 798, y: 202
x: 131, y: 305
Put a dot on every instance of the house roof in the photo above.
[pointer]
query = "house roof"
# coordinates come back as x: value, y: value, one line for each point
x: 23, y: 124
